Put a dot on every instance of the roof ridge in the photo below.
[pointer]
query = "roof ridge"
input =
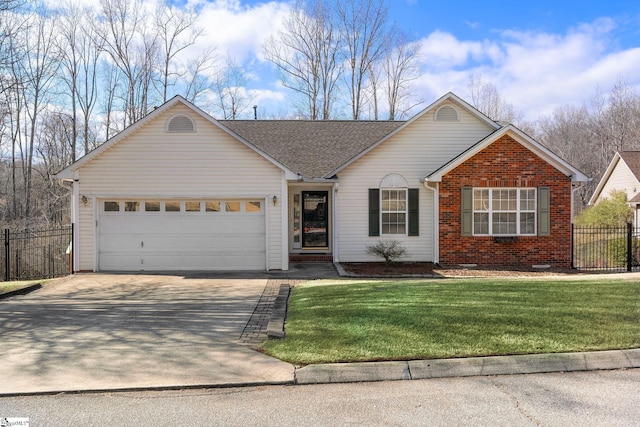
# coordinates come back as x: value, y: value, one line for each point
x: 310, y: 121
x: 327, y: 144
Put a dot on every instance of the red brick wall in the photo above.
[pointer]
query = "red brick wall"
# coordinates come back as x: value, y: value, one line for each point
x: 505, y: 163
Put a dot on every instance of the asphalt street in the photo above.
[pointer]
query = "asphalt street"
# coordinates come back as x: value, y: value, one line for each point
x: 596, y: 398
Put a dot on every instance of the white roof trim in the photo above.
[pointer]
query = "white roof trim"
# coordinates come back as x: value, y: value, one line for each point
x: 68, y: 172
x: 617, y: 158
x: 448, y: 97
x: 530, y: 143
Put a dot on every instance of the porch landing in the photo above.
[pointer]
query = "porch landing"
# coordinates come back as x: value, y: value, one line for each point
x: 310, y: 257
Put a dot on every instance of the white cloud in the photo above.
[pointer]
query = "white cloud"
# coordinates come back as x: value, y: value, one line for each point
x: 443, y: 50
x: 239, y: 29
x: 268, y: 96
x: 535, y: 71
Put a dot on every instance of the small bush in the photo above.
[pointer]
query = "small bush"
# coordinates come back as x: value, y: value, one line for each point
x: 609, y: 212
x: 390, y: 250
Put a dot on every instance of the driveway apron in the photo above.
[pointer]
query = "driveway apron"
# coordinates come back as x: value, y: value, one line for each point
x: 116, y: 331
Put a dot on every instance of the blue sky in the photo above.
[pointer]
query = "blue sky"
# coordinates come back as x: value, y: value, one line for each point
x: 539, y: 54
x: 475, y: 20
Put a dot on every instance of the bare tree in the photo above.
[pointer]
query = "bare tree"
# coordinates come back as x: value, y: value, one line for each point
x: 306, y: 55
x: 132, y: 49
x: 488, y: 100
x: 12, y: 26
x: 330, y: 59
x: 615, y: 120
x: 589, y: 136
x: 363, y: 25
x: 566, y: 132
x: 38, y: 71
x: 374, y: 89
x: 230, y: 84
x: 55, y: 151
x: 400, y: 69
x: 12, y: 115
x: 111, y: 82
x: 80, y: 54
x: 198, y: 75
x: 177, y: 31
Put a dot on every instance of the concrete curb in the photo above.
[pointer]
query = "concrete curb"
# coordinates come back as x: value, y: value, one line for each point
x: 473, y: 366
x: 21, y: 291
x: 407, y: 370
x: 275, y: 327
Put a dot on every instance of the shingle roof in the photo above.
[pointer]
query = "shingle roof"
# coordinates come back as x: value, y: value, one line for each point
x: 632, y: 159
x: 312, y: 149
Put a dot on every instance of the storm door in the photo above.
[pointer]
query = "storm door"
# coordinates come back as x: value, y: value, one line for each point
x: 315, y: 219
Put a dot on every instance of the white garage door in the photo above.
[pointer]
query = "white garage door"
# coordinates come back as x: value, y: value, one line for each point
x: 156, y: 235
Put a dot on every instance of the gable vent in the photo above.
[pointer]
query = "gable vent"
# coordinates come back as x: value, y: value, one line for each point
x: 446, y: 114
x: 181, y: 124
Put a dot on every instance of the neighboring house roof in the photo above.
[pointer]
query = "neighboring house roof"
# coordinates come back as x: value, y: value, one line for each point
x: 631, y: 159
x: 523, y: 138
x: 68, y: 172
x: 312, y: 149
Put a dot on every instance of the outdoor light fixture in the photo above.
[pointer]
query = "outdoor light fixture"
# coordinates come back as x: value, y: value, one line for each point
x: 275, y: 200
x: 85, y: 200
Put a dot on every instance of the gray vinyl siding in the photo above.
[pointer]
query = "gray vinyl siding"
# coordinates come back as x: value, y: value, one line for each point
x: 421, y: 147
x: 151, y: 163
x: 621, y: 178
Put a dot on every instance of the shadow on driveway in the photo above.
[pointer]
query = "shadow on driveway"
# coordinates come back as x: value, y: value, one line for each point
x: 119, y: 331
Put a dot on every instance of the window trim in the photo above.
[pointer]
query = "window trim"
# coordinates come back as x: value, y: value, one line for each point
x: 412, y: 220
x: 405, y: 212
x: 490, y: 211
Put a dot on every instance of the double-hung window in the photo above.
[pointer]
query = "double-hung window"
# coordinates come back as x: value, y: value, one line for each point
x: 504, y: 211
x: 394, y: 211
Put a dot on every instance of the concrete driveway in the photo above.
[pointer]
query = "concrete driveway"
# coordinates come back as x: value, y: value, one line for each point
x: 117, y: 331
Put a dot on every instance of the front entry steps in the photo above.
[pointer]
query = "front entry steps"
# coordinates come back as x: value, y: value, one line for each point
x: 310, y: 257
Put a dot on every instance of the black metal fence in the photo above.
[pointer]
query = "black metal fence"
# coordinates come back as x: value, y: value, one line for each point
x: 606, y: 248
x: 37, y: 254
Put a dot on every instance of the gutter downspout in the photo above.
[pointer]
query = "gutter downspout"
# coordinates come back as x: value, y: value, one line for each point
x: 75, y: 212
x: 434, y: 188
x: 334, y: 221
x: 573, y: 190
x: 284, y: 223
x: 73, y: 189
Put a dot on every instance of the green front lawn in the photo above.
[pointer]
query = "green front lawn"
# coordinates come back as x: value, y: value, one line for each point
x: 404, y: 320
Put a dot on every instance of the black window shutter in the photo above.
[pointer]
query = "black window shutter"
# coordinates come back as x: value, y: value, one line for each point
x: 467, y: 211
x: 374, y: 212
x: 414, y: 213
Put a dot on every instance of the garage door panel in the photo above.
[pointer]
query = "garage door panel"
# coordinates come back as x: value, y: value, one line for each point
x: 119, y: 262
x: 235, y: 245
x: 181, y: 241
x: 113, y: 225
x: 193, y: 243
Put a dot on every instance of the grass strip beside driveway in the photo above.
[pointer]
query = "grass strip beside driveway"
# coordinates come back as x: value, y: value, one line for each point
x: 406, y: 320
x: 6, y: 287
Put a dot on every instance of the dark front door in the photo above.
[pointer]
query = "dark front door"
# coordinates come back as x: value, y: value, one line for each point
x: 315, y: 219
